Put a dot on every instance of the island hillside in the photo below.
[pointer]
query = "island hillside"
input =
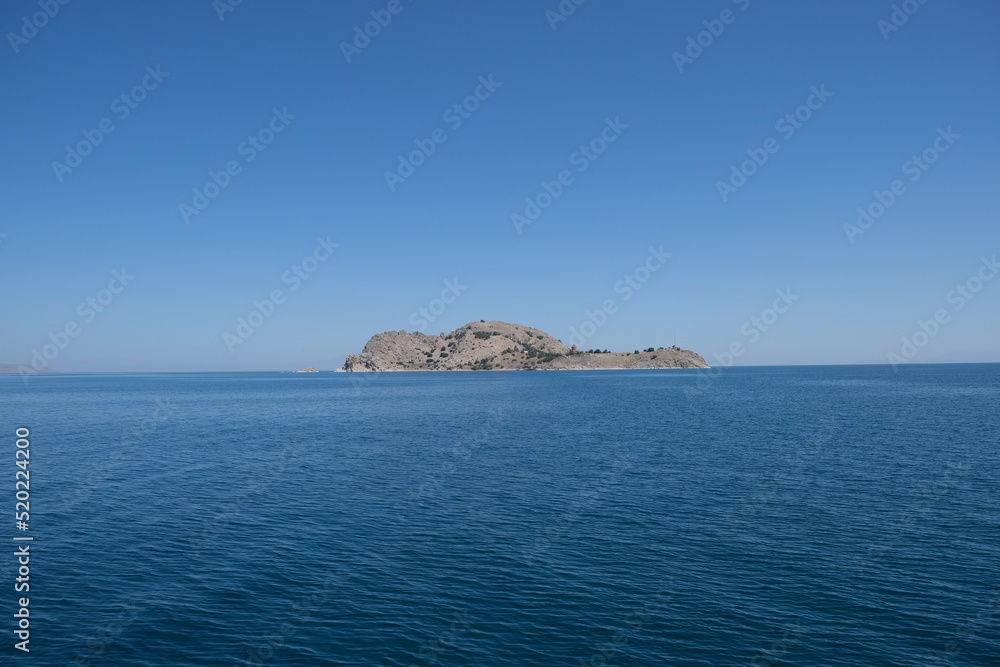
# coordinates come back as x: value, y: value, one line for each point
x: 502, y: 346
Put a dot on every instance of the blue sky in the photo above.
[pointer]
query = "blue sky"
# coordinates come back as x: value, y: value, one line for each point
x: 676, y: 135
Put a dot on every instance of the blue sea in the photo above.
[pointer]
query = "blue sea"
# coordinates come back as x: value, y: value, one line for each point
x: 747, y: 516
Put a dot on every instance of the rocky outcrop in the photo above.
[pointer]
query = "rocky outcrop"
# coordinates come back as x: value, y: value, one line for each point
x: 501, y: 346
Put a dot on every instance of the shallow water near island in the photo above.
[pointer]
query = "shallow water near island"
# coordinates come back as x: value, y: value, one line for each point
x: 788, y: 515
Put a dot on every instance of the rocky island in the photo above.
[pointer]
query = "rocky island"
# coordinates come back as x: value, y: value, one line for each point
x: 495, y: 346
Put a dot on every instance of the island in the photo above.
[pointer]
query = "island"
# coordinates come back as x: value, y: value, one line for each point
x: 500, y: 346
x: 307, y: 370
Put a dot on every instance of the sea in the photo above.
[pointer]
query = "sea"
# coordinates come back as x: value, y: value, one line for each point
x: 839, y: 515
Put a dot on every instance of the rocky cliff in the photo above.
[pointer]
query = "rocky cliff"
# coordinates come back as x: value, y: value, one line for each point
x: 500, y: 346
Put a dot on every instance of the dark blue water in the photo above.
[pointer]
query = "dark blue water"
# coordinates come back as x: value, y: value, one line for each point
x: 798, y: 516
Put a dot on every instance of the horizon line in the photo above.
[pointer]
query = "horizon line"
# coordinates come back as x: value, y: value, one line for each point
x: 337, y: 370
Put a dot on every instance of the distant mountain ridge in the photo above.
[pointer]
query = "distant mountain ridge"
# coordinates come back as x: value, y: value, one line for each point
x: 501, y: 346
x: 24, y: 369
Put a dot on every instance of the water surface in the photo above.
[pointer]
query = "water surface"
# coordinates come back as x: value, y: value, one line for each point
x: 789, y: 515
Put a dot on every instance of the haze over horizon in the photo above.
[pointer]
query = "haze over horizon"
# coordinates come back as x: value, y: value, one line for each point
x: 650, y: 169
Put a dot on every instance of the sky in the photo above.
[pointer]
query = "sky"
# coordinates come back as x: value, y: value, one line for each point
x: 212, y: 186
